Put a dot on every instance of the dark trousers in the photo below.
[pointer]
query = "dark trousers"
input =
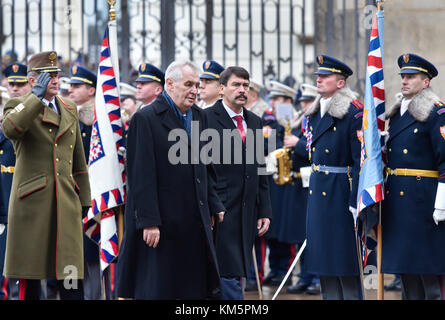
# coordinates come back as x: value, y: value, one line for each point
x: 341, y: 288
x: 231, y: 289
x: 30, y: 290
x: 281, y: 256
x: 303, y: 276
x: 422, y: 287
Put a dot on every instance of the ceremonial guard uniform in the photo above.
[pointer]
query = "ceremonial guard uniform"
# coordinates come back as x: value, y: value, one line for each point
x: 335, y: 147
x: 50, y: 183
x: 7, y: 162
x: 413, y: 239
x: 81, y: 75
x: 288, y: 201
x: 148, y: 73
x: 209, y: 82
x: 15, y: 74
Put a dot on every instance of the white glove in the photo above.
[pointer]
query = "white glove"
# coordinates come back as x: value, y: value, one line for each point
x: 2, y: 228
x: 438, y: 215
x: 354, y: 212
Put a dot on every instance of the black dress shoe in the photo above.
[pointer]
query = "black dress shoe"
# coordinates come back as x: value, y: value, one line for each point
x: 297, y: 288
x: 396, y: 285
x: 276, y: 281
x: 314, y: 289
x: 251, y: 285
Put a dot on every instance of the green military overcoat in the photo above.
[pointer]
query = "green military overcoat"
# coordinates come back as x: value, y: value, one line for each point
x: 49, y: 188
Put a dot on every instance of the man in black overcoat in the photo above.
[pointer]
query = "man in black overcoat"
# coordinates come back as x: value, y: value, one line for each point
x: 167, y: 250
x: 241, y: 183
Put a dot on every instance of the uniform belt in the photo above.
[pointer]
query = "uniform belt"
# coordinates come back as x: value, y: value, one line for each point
x: 412, y: 173
x: 7, y: 169
x: 328, y: 169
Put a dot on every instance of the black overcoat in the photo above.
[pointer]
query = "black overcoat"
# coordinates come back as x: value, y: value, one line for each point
x: 241, y: 190
x: 176, y: 197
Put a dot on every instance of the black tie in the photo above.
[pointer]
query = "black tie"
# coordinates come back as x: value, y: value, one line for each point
x: 52, y: 107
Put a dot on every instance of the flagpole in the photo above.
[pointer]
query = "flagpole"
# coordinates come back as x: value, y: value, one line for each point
x: 260, y: 291
x: 380, y: 287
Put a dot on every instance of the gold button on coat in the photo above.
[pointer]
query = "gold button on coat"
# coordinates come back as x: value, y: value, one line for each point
x: 405, y: 151
x: 416, y: 130
x: 310, y: 191
x: 324, y: 194
x: 327, y: 151
x: 313, y: 149
x: 50, y: 130
x: 335, y: 128
x: 402, y: 193
x: 84, y: 134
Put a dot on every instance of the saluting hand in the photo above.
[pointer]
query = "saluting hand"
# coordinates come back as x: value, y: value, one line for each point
x: 151, y: 236
x: 263, y: 226
x: 41, y: 84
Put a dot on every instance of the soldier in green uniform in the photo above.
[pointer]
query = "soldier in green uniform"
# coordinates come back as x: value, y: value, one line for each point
x: 49, y: 188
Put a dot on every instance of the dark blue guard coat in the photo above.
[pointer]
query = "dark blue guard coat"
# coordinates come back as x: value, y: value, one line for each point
x: 412, y: 242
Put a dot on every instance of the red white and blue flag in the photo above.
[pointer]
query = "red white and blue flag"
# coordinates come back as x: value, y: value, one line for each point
x: 371, y: 187
x: 106, y: 163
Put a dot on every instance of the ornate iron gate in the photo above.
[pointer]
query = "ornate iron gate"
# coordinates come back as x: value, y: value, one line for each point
x: 268, y: 37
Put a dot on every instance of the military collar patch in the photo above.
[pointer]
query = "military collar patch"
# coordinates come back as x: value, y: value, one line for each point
x: 440, y: 111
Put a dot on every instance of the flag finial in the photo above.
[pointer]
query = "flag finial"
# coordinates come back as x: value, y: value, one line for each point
x: 112, y: 11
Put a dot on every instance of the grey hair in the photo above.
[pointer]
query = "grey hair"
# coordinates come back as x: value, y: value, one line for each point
x: 174, y: 71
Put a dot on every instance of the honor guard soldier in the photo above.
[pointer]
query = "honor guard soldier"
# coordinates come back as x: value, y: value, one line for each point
x: 307, y: 283
x: 17, y: 78
x: 50, y: 185
x: 281, y: 238
x: 150, y: 83
x: 255, y: 103
x: 334, y: 120
x: 209, y: 86
x: 83, y: 93
x: 414, y: 206
x: 16, y: 75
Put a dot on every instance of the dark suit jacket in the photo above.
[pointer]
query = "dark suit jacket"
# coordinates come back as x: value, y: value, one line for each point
x: 244, y: 193
x: 178, y: 198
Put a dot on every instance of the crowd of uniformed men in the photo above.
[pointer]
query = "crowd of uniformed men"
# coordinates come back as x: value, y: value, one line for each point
x: 190, y: 229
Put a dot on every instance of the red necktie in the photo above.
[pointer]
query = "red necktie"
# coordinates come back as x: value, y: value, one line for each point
x: 239, y: 125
